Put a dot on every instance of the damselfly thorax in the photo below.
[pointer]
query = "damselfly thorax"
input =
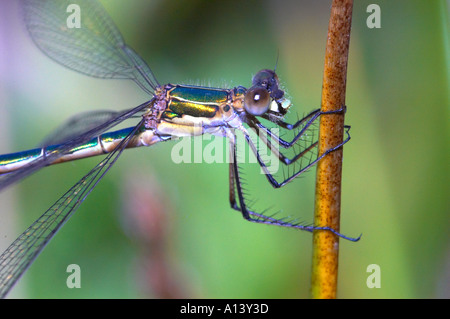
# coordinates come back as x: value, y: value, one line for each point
x: 181, y: 110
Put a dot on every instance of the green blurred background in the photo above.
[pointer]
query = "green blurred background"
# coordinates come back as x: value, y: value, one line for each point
x: 156, y: 229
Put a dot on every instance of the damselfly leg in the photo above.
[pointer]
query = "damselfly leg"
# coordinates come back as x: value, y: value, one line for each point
x: 305, y: 122
x: 310, y: 144
x: 235, y: 182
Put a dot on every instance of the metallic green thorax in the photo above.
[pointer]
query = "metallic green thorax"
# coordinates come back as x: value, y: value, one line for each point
x: 195, y: 101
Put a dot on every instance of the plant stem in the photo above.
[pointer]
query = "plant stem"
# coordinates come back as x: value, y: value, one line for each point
x: 331, y: 129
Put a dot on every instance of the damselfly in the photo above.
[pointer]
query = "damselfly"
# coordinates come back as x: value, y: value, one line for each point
x: 96, y: 48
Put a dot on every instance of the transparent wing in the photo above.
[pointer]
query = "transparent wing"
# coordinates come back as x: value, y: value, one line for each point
x: 67, y: 145
x: 24, y: 250
x: 78, y: 125
x: 96, y: 48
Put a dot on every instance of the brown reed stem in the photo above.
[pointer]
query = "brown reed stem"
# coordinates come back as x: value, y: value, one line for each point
x: 328, y: 177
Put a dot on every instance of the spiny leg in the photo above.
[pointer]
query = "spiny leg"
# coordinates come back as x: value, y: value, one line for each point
x: 232, y: 178
x: 257, y: 217
x: 307, y: 120
x: 283, y: 158
x: 270, y: 177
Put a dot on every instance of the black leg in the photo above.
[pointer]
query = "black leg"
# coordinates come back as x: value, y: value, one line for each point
x: 257, y: 217
x: 271, y: 177
x: 307, y: 121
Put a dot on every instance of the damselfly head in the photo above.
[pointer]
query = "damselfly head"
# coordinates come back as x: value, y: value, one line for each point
x: 265, y: 96
x: 266, y: 78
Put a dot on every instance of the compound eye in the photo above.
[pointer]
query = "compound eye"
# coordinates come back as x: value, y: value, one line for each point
x: 257, y: 100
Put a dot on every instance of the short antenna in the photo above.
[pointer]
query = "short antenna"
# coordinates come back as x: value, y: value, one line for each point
x: 276, y: 62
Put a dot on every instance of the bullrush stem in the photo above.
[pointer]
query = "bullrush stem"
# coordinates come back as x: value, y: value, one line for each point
x: 328, y: 179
